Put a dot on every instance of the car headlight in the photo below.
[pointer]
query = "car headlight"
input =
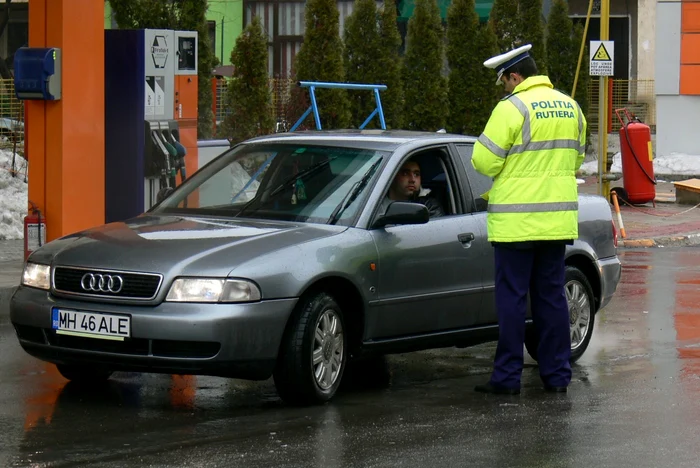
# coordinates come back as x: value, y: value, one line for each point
x: 37, y: 276
x: 213, y: 290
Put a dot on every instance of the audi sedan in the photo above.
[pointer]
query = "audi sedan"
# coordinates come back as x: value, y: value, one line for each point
x: 280, y: 258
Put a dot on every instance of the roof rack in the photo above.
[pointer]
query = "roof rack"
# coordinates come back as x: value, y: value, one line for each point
x: 313, y: 85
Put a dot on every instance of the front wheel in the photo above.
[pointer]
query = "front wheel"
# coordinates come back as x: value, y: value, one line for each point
x: 313, y: 355
x: 581, y: 302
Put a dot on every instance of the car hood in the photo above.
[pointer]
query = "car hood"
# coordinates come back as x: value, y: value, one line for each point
x: 176, y: 245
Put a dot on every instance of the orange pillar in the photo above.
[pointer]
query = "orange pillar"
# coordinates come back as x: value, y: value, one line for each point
x: 66, y: 137
x: 186, y: 111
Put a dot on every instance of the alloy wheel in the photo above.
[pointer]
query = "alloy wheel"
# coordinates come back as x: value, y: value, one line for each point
x: 579, y: 312
x: 327, y: 356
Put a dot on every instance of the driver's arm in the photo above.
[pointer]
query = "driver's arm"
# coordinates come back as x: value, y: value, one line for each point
x: 434, y: 208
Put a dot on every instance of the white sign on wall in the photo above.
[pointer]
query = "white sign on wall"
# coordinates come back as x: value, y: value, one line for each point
x: 602, y: 58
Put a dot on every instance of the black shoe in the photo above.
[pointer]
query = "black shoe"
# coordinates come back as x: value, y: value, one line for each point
x: 488, y: 388
x: 550, y: 389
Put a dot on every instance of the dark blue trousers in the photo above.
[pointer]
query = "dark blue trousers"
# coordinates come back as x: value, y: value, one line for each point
x: 539, y: 270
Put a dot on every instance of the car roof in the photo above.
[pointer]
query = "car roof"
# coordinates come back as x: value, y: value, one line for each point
x: 384, y: 139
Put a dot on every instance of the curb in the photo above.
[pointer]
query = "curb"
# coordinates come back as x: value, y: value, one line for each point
x: 666, y: 241
x: 669, y: 178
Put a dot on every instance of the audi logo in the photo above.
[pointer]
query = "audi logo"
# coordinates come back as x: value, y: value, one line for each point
x: 102, y: 283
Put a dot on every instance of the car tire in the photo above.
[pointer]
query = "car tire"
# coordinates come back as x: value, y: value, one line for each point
x: 313, y: 354
x: 84, y: 374
x: 579, y: 295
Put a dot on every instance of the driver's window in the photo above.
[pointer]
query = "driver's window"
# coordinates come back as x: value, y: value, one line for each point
x: 424, y: 177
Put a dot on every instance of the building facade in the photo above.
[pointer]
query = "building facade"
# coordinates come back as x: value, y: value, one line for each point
x: 678, y: 79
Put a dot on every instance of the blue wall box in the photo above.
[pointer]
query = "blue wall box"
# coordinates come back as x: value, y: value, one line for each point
x: 38, y: 73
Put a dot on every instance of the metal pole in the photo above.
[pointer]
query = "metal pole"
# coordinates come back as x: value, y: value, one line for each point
x: 603, y: 182
x: 583, y: 44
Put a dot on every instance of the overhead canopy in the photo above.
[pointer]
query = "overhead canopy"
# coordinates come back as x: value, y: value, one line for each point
x: 483, y: 8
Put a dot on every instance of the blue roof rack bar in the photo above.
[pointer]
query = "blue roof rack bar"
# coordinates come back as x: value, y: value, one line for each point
x: 313, y: 85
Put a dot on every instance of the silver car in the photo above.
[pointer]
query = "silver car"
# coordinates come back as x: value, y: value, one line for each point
x: 275, y: 260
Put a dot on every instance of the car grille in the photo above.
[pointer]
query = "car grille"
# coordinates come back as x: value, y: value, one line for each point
x: 141, y: 286
x: 137, y: 346
x: 130, y: 346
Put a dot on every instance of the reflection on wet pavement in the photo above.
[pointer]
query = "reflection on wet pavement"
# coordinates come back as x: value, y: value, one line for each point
x: 634, y: 401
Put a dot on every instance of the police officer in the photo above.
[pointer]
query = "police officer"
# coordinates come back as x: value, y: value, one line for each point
x: 532, y: 146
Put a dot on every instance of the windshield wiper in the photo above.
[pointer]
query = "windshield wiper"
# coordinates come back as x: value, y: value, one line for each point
x: 277, y: 189
x: 303, y: 173
x: 352, y: 194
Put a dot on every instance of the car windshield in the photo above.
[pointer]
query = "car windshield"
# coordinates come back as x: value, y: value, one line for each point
x: 284, y: 181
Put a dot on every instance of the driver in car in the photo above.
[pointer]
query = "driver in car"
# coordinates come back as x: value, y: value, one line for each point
x: 407, y: 187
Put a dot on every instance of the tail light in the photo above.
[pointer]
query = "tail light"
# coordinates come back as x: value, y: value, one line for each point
x: 614, y: 232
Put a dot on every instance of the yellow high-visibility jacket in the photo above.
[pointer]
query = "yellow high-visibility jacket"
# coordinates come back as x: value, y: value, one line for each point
x: 532, y: 146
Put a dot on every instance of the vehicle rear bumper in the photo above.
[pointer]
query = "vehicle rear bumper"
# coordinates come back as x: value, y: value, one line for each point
x: 233, y: 340
x: 610, y: 272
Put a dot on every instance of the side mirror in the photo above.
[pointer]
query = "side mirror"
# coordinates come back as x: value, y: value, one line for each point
x: 164, y: 193
x: 403, y: 213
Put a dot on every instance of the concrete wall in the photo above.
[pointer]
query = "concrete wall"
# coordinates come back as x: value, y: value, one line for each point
x: 646, y: 39
x: 668, y: 40
x: 677, y: 120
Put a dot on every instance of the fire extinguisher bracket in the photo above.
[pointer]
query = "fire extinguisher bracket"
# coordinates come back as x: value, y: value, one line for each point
x: 34, y: 231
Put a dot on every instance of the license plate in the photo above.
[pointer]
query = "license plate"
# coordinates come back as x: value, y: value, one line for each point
x: 91, y: 324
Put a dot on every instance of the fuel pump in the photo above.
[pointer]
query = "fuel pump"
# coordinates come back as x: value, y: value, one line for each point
x: 144, y: 105
x: 167, y: 172
x: 171, y: 134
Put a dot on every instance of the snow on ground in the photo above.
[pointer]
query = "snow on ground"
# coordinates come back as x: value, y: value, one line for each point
x: 674, y: 163
x: 13, y: 196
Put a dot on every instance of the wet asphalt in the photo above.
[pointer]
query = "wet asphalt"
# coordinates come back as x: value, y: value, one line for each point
x: 634, y: 401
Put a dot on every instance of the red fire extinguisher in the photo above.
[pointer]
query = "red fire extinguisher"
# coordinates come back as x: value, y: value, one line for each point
x: 637, y: 160
x: 34, y: 231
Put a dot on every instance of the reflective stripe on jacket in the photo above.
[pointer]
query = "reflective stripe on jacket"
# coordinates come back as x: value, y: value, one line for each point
x: 532, y: 146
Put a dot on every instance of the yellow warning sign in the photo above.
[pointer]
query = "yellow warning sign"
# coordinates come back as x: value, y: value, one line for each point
x: 601, y: 54
x: 602, y: 58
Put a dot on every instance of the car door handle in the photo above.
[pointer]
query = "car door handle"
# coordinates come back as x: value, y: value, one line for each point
x: 466, y: 237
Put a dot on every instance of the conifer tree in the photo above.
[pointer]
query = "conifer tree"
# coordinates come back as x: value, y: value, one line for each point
x: 362, y: 59
x: 248, y: 96
x: 506, y: 23
x: 296, y: 103
x: 472, y: 93
x: 491, y: 93
x: 532, y: 32
x: 584, y: 78
x: 390, y: 67
x: 425, y: 87
x: 321, y: 59
x: 193, y: 17
x: 560, y: 44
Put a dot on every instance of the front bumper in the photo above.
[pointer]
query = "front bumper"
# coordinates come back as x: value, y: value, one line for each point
x: 610, y: 270
x: 232, y: 340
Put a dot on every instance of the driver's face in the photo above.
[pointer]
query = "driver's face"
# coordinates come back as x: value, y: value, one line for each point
x: 406, y: 182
